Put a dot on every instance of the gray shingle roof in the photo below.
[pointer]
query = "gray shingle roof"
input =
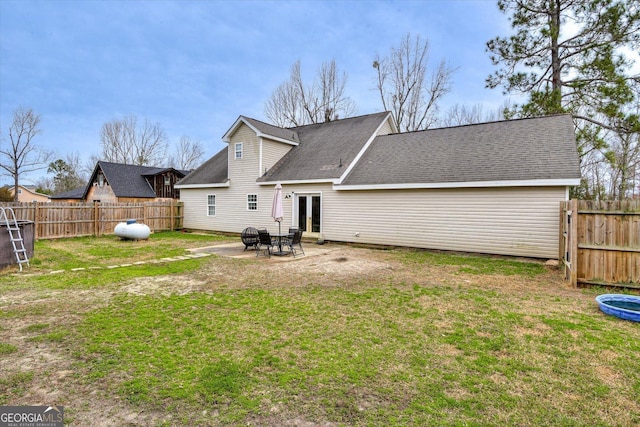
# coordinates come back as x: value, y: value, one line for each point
x: 213, y: 171
x: 268, y: 129
x: 524, y: 149
x: 76, y: 193
x: 325, y: 149
x: 128, y: 180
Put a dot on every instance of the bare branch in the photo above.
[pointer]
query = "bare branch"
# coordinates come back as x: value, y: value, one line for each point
x: 124, y: 141
x: 22, y: 155
x: 403, y: 88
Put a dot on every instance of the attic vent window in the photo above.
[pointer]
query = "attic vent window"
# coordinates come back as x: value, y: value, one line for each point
x: 101, y: 180
x: 238, y: 150
x: 167, y: 180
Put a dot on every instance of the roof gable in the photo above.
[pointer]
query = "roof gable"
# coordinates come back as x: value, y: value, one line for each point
x: 326, y: 149
x: 516, y: 150
x: 263, y: 130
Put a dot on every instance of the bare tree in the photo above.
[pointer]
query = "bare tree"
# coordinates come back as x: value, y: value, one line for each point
x: 284, y: 108
x: 461, y: 114
x: 404, y: 87
x: 188, y: 154
x: 334, y: 103
x: 626, y: 159
x: 75, y: 164
x: 21, y: 155
x: 130, y: 142
x: 294, y: 103
x: 623, y: 157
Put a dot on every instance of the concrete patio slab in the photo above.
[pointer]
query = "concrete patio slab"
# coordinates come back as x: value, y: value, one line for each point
x: 237, y: 250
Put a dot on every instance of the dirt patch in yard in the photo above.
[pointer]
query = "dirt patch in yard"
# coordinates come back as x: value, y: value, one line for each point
x: 43, y: 372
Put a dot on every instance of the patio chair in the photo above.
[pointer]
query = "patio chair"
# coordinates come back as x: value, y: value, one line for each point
x: 265, y: 243
x: 296, y: 240
x: 286, y: 241
x: 249, y: 238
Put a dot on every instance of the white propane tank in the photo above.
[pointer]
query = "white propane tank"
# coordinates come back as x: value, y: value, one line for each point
x: 132, y: 230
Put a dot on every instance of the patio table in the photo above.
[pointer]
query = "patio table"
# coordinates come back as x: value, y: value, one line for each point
x: 280, y: 237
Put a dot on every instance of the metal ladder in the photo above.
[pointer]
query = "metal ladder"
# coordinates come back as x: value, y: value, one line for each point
x: 8, y: 217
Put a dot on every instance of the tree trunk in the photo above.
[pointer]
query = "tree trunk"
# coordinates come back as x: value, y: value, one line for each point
x: 554, y: 30
x: 15, y: 182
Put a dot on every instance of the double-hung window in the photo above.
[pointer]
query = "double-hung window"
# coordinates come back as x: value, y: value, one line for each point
x: 211, y: 205
x: 252, y: 202
x: 238, y: 150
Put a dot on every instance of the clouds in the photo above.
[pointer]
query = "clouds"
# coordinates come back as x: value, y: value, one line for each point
x: 194, y: 66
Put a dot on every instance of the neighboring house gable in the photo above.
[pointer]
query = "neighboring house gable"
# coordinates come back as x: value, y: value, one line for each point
x: 28, y: 194
x: 116, y: 182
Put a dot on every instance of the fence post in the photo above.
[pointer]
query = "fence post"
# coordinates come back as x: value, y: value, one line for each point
x: 574, y: 242
x: 35, y: 221
x: 171, y: 213
x: 96, y: 213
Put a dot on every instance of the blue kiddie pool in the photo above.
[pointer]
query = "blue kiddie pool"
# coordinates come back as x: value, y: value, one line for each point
x: 623, y: 306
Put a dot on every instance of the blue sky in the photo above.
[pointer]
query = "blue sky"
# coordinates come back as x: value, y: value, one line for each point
x: 195, y: 66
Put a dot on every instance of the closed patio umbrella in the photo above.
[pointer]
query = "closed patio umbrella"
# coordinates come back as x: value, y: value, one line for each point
x: 276, y: 208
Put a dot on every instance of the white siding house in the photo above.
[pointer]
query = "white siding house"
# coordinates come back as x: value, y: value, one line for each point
x: 488, y: 188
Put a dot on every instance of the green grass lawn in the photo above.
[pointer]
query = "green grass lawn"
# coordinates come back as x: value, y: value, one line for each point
x: 448, y: 341
x: 99, y: 253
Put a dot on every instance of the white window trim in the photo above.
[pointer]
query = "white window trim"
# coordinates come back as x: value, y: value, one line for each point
x: 248, y: 203
x: 235, y: 150
x: 209, y: 205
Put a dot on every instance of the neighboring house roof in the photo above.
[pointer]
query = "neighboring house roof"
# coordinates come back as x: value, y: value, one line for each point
x: 540, y: 148
x: 326, y: 149
x: 30, y: 188
x: 76, y: 193
x: 124, y: 180
x: 213, y: 171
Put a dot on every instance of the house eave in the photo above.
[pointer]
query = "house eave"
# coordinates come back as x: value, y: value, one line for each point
x: 299, y: 181
x: 210, y: 185
x: 472, y: 184
x: 275, y: 138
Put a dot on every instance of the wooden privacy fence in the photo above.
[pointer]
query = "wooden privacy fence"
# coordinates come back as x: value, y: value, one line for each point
x: 57, y: 219
x: 600, y: 242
